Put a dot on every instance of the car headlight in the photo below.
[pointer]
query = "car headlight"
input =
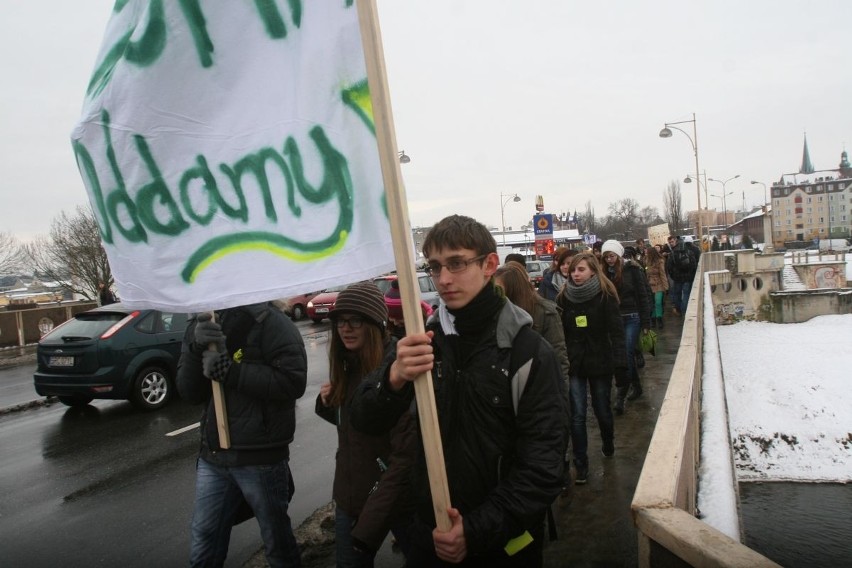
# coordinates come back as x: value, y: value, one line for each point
x: 310, y: 304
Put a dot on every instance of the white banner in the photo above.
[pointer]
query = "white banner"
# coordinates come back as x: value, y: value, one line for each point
x: 658, y: 234
x: 229, y: 153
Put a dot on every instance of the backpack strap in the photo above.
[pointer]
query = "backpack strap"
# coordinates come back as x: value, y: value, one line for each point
x: 524, y: 349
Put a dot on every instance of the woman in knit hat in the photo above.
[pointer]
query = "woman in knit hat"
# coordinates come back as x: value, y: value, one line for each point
x: 371, y: 472
x: 635, y: 307
x: 594, y: 340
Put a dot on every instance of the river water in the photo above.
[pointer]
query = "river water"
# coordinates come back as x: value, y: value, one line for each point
x: 799, y: 524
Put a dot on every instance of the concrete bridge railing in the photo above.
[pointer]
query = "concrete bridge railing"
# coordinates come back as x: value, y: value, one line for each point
x: 664, y: 505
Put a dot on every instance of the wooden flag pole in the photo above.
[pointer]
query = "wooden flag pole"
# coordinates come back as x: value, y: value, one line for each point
x: 219, y: 404
x: 371, y: 38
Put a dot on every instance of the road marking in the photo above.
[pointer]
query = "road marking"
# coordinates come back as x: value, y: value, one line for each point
x: 184, y: 429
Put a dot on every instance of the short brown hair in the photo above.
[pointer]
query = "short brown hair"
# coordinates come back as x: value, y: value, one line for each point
x: 459, y: 232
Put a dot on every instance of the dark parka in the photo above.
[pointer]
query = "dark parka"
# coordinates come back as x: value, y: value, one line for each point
x: 356, y: 471
x: 504, y: 465
x: 677, y: 273
x: 594, y: 337
x: 634, y: 293
x: 261, y: 389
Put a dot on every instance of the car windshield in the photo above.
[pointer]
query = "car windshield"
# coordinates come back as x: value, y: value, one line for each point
x: 86, y: 325
x: 336, y: 288
x: 383, y: 284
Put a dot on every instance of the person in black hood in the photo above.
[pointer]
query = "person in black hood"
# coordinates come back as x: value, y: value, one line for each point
x: 258, y: 357
x: 500, y: 405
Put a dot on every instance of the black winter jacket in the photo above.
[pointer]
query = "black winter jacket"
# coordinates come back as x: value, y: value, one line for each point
x: 357, y: 473
x: 633, y: 293
x: 504, y: 467
x: 594, y: 336
x: 261, y: 390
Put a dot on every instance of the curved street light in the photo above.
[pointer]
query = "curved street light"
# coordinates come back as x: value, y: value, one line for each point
x: 666, y: 132
x: 765, y: 202
x: 403, y: 157
x: 515, y: 198
x: 724, y: 195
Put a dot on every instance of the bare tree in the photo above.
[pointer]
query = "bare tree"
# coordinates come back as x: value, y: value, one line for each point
x: 589, y: 222
x: 624, y: 215
x: 673, y: 206
x: 10, y: 254
x: 72, y: 255
x: 649, y: 216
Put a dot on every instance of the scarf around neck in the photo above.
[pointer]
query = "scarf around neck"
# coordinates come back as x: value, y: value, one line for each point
x: 584, y: 292
x: 473, y: 317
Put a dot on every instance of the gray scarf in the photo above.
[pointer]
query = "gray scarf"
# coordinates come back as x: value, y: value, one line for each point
x: 584, y: 292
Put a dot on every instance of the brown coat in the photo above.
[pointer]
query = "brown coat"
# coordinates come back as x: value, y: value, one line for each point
x: 657, y: 277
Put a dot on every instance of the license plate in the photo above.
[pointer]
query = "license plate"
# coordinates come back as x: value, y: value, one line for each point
x: 62, y: 361
x: 322, y: 310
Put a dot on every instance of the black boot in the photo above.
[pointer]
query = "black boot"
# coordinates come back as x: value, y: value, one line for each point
x: 635, y: 390
x: 660, y: 323
x: 620, y: 395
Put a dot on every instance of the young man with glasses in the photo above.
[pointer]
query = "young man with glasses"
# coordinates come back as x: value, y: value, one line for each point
x: 500, y: 405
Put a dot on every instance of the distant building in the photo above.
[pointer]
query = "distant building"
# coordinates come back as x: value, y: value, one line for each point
x: 812, y: 204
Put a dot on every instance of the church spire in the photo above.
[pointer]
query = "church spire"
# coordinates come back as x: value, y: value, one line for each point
x: 807, y: 166
x: 844, y: 160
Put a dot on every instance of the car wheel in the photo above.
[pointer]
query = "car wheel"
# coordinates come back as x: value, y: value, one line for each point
x: 317, y: 320
x: 75, y: 400
x: 298, y: 312
x: 151, y: 389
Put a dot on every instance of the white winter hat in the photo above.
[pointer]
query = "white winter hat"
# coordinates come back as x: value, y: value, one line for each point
x: 612, y: 246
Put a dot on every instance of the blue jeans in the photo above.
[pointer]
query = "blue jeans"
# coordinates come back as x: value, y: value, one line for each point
x: 680, y: 294
x: 347, y: 556
x: 631, y: 338
x: 601, y: 388
x: 219, y: 491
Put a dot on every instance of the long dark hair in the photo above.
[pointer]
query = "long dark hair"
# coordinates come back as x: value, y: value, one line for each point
x: 516, y: 283
x: 368, y: 358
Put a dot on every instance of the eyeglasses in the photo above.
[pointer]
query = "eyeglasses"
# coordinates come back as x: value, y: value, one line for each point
x: 455, y: 265
x: 354, y: 322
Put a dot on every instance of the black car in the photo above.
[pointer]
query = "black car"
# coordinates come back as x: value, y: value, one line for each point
x: 112, y: 352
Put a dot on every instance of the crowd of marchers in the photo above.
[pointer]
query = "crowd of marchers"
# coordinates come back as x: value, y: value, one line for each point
x: 512, y: 369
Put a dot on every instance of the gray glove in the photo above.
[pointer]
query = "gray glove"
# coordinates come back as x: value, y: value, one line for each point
x: 216, y: 365
x: 208, y: 331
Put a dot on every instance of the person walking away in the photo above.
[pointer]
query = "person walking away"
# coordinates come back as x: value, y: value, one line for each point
x: 371, y: 474
x: 655, y: 270
x: 594, y: 338
x: 503, y: 443
x: 681, y: 267
x: 105, y: 295
x: 515, y: 283
x: 260, y: 361
x: 634, y: 305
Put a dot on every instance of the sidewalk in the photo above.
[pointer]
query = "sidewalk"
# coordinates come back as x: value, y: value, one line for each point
x: 594, y: 524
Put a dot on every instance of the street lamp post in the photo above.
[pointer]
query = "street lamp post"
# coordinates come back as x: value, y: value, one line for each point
x: 514, y: 197
x: 765, y: 201
x: 688, y: 179
x: 767, y: 221
x: 667, y: 133
x: 725, y: 194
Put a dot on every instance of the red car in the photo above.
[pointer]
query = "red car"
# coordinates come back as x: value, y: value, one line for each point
x: 321, y: 305
x: 297, y: 305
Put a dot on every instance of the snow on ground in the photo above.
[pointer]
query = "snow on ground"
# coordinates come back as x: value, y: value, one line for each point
x: 789, y: 398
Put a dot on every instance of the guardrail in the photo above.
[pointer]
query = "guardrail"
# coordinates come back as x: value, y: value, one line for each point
x: 25, y: 327
x: 664, y: 503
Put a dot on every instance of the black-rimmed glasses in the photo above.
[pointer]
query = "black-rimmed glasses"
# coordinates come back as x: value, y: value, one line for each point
x: 454, y: 265
x: 354, y: 322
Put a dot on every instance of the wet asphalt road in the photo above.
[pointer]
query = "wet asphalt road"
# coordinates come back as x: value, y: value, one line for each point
x: 104, y: 485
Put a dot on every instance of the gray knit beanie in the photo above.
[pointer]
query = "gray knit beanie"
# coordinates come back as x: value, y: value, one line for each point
x: 364, y: 299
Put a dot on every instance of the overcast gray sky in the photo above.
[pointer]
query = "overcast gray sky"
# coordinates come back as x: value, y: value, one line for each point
x: 557, y: 98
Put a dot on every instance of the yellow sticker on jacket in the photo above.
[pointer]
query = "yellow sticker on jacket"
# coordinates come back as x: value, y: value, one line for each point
x: 518, y: 543
x: 581, y: 321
